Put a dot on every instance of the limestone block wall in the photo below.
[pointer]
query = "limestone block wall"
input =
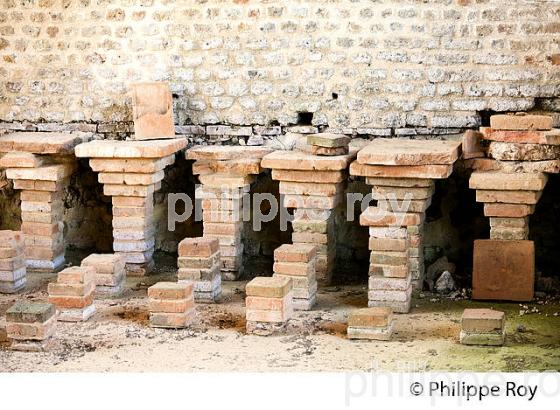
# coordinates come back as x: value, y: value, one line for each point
x: 352, y: 63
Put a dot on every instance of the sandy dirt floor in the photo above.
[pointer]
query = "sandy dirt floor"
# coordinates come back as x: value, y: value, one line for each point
x: 118, y: 338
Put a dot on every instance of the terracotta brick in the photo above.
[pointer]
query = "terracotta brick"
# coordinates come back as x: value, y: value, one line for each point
x: 297, y: 160
x: 130, y: 149
x: 508, y: 210
x: 217, y: 152
x: 551, y: 137
x: 329, y: 152
x: 503, y: 270
x: 40, y: 196
x: 20, y: 160
x: 378, y: 282
x: 509, y: 197
x: 130, y: 178
x: 400, y: 182
x: 170, y: 305
x: 295, y: 253
x: 389, y: 258
x: 171, y: 320
x: 35, y: 142
x: 71, y: 302
x: 269, y: 287
x: 238, y: 166
x: 128, y: 212
x: 31, y: 331
x: 104, y: 263
x: 263, y: 303
x: 398, y: 151
x: 312, y: 201
x: 373, y: 216
x: 128, y: 190
x: 234, y: 228
x: 294, y: 268
x: 389, y: 271
x: 402, y: 193
x: 73, y: 289
x: 307, y: 237
x: 320, y: 177
x: 482, y: 320
x: 170, y: 290
x: 394, y: 171
x: 76, y: 275
x: 508, y: 181
x: 521, y: 122
x: 371, y: 317
x: 471, y: 145
x: 131, y: 165
x: 307, y: 188
x: 387, y: 244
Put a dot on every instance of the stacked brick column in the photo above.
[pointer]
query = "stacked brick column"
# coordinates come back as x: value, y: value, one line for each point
x: 109, y: 273
x: 298, y: 262
x: 40, y: 165
x: 30, y: 325
x: 12, y: 262
x: 226, y: 174
x: 269, y: 305
x: 171, y: 305
x: 401, y: 173
x: 199, y: 262
x: 313, y: 186
x: 131, y: 171
x: 73, y: 294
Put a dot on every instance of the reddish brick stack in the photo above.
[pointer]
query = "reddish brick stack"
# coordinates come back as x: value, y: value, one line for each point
x: 226, y: 174
x: 313, y: 186
x: 199, y: 262
x: 109, y: 272
x: 30, y: 325
x: 171, y: 305
x: 131, y: 171
x: 30, y: 160
x: 269, y: 305
x: 401, y: 173
x: 374, y: 323
x: 12, y: 262
x: 298, y: 262
x: 483, y: 327
x: 73, y: 293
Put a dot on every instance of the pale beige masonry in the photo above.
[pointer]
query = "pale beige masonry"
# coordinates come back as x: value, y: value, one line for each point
x: 351, y: 63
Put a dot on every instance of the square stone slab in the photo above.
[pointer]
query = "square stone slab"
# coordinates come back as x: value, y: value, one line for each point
x: 371, y: 317
x: 401, y: 171
x: 226, y: 152
x: 550, y: 137
x: 520, y: 122
x: 396, y: 151
x: 503, y: 270
x: 503, y: 181
x: 303, y: 161
x: 130, y: 149
x: 42, y: 142
x: 24, y: 311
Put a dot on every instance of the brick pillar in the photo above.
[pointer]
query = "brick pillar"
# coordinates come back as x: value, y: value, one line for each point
x: 131, y: 171
x: 226, y: 174
x: 314, y: 186
x: 401, y: 173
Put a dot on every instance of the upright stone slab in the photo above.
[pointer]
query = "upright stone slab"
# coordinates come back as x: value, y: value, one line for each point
x: 269, y: 305
x: 199, y: 263
x: 152, y: 111
x: 401, y: 173
x: 483, y: 327
x: 13, y: 274
x: 226, y: 174
x: 503, y: 270
x: 40, y: 165
x: 131, y: 171
x: 31, y: 325
x: 73, y: 294
x: 314, y: 186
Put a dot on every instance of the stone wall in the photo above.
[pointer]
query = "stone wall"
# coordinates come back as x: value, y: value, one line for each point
x: 351, y: 63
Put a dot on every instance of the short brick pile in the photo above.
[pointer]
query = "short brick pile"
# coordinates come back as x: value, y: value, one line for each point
x: 73, y: 294
x: 131, y: 171
x: 199, y: 262
x: 326, y: 144
x: 374, y: 323
x: 269, y: 305
x: 30, y: 162
x: 298, y: 262
x: 401, y: 173
x: 312, y: 185
x: 226, y: 174
x: 13, y: 274
x: 110, y: 272
x: 31, y: 325
x: 171, y: 305
x: 483, y: 327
